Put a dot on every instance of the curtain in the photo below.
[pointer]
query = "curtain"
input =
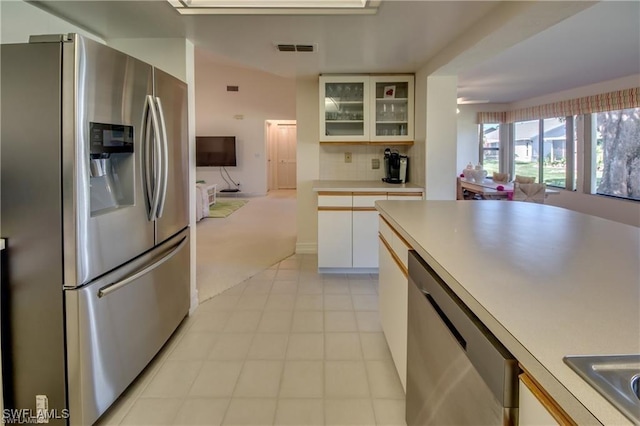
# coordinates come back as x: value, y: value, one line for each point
x: 620, y: 99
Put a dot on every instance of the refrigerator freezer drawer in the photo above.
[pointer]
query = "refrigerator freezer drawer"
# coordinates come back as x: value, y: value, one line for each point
x: 117, y: 324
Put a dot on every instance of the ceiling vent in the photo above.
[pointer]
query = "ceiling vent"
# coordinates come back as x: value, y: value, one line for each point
x: 286, y: 47
x: 304, y: 48
x: 296, y: 47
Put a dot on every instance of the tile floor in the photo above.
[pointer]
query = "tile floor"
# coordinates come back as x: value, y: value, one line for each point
x: 287, y: 347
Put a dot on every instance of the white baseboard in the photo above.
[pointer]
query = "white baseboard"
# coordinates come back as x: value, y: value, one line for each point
x: 306, y: 248
x: 348, y: 270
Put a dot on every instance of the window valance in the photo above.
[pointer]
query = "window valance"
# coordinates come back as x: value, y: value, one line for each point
x: 620, y: 99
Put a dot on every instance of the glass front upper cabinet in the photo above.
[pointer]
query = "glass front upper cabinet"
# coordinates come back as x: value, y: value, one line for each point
x: 392, y: 108
x: 366, y: 108
x: 344, y: 108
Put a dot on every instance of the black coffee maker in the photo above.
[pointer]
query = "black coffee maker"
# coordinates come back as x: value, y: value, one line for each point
x: 395, y: 166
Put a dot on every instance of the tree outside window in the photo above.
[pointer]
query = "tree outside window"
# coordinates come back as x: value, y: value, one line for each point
x: 618, y: 153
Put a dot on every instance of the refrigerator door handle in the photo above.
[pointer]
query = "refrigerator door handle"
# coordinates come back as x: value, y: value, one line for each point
x: 149, y: 161
x: 164, y: 148
x: 158, y: 162
x: 104, y: 291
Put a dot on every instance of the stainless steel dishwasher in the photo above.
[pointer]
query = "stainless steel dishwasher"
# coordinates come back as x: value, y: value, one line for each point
x: 458, y: 373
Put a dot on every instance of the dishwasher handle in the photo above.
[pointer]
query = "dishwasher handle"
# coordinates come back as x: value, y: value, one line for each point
x: 495, y: 364
x: 452, y: 328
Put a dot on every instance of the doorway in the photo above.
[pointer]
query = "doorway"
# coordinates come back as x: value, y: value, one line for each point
x: 281, y: 162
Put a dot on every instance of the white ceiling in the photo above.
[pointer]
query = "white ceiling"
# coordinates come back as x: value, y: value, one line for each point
x: 597, y: 44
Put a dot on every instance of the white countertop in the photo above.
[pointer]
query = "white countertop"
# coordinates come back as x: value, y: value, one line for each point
x: 363, y: 185
x: 547, y: 281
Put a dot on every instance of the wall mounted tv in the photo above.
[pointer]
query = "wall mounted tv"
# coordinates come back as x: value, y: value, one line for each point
x: 215, y: 151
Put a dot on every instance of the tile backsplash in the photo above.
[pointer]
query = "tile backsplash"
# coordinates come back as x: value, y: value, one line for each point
x: 334, y: 167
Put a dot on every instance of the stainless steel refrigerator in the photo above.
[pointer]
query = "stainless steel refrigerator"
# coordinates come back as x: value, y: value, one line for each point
x: 94, y: 206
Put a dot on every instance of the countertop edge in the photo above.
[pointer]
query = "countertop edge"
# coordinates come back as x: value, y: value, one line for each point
x: 364, y: 186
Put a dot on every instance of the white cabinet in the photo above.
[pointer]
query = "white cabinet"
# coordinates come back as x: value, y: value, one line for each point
x: 344, y: 108
x: 334, y: 230
x: 392, y: 108
x: 536, y: 408
x: 365, y: 229
x: 404, y: 196
x: 334, y: 239
x: 367, y: 108
x: 393, y: 295
x: 348, y: 229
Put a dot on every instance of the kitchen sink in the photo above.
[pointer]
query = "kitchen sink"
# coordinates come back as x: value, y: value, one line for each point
x: 616, y: 377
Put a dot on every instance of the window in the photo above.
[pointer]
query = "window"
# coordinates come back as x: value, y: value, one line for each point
x: 526, y: 148
x: 554, y: 160
x: 544, y: 158
x: 490, y: 147
x: 588, y: 150
x: 617, y: 151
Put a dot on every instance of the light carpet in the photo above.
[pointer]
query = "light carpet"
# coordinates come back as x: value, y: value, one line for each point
x: 232, y: 249
x: 225, y: 208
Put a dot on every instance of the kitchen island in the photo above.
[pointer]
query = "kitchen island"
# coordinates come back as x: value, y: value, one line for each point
x: 548, y: 282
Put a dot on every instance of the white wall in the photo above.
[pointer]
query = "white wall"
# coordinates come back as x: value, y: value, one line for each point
x: 20, y: 20
x: 333, y: 166
x: 307, y: 114
x: 261, y: 97
x: 468, y: 142
x: 417, y: 172
x: 618, y: 210
x: 441, y: 139
x: 168, y: 54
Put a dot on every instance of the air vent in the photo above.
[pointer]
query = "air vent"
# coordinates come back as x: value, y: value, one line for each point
x: 286, y: 47
x: 296, y: 47
x: 304, y: 48
x: 232, y: 88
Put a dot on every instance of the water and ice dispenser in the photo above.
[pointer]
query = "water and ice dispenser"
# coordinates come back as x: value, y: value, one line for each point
x: 111, y: 167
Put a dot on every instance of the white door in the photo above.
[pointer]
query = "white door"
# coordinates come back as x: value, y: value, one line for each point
x: 286, y: 155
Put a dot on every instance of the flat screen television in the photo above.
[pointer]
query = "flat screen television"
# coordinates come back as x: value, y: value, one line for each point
x: 215, y: 151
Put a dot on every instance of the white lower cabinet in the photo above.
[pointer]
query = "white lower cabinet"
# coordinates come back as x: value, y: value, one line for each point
x: 536, y: 408
x: 404, y: 196
x: 393, y: 297
x: 334, y: 239
x: 348, y: 228
x: 365, y: 239
x: 365, y: 229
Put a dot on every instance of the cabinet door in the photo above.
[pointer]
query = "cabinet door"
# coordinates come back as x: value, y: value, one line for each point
x: 365, y: 239
x: 392, y: 108
x: 334, y: 239
x: 365, y: 229
x: 405, y: 196
x: 344, y: 109
x: 536, y: 407
x: 393, y: 307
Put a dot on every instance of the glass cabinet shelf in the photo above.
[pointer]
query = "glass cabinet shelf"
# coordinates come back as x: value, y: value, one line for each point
x: 366, y: 108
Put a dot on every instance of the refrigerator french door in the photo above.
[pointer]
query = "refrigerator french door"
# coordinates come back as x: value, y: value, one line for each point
x: 94, y: 208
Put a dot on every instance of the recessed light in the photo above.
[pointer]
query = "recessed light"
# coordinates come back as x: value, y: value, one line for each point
x: 275, y: 7
x: 467, y: 101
